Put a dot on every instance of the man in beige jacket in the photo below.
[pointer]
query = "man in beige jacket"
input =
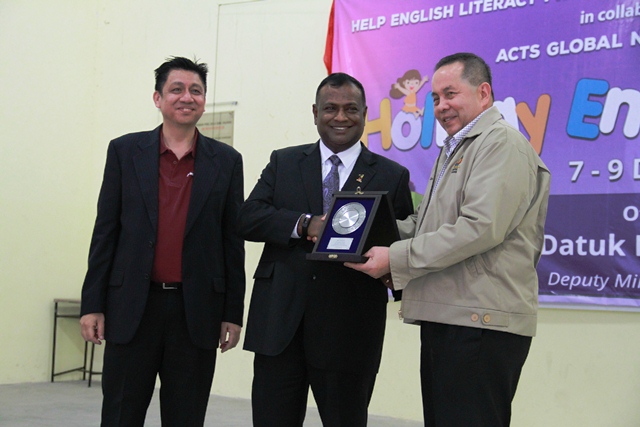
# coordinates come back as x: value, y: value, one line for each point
x: 467, y: 259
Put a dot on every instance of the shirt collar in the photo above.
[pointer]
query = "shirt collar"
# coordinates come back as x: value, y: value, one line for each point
x: 348, y: 157
x: 192, y: 150
x: 451, y: 142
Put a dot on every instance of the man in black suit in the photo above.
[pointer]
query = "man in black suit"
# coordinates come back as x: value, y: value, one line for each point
x: 311, y: 323
x: 165, y: 282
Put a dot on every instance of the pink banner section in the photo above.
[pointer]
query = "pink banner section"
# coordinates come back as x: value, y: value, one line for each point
x: 564, y: 72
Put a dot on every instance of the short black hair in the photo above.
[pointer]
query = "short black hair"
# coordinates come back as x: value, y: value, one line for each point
x: 475, y: 70
x: 339, y: 80
x: 180, y: 63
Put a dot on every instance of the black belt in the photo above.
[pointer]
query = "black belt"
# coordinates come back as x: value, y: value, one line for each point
x: 166, y: 286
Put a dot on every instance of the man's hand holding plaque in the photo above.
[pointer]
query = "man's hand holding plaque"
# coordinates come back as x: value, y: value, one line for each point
x: 313, y: 229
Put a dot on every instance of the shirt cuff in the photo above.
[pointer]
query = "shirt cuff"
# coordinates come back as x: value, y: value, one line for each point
x: 294, y: 233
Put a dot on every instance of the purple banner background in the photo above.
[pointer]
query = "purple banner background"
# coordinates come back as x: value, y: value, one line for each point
x: 566, y: 73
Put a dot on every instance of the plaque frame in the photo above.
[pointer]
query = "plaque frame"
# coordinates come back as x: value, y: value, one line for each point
x: 379, y: 228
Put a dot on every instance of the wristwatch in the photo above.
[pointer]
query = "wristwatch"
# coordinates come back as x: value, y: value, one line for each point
x: 305, y: 225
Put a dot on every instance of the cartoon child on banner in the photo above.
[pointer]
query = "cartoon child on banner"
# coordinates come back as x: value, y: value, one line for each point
x: 407, y: 86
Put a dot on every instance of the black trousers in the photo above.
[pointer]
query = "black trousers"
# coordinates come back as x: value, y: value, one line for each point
x: 469, y: 375
x: 161, y: 347
x: 281, y: 387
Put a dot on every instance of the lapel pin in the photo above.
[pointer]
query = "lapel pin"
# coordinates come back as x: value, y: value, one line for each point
x: 360, y: 176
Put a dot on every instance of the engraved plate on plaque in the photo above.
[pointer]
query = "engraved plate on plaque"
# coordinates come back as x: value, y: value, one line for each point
x: 349, y: 218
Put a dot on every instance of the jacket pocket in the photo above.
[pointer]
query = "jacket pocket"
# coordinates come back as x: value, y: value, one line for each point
x: 472, y: 266
x: 264, y: 270
x: 116, y: 279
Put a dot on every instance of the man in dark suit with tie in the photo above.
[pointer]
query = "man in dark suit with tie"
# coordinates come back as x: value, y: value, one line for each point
x: 165, y: 281
x: 316, y: 324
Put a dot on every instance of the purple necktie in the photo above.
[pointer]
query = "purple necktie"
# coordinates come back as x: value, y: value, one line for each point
x: 331, y: 183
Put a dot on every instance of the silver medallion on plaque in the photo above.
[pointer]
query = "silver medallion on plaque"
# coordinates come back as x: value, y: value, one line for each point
x: 349, y: 218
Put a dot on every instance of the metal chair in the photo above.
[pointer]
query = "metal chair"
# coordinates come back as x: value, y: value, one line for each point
x: 70, y: 309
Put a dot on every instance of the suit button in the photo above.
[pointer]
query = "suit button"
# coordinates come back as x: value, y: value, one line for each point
x: 313, y: 277
x: 150, y: 244
x: 486, y: 318
x: 146, y: 277
x: 475, y: 317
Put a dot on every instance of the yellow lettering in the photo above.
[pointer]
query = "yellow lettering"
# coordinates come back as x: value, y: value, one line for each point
x: 381, y: 124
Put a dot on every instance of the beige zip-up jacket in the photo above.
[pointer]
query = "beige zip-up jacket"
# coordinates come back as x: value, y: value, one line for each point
x: 468, y: 257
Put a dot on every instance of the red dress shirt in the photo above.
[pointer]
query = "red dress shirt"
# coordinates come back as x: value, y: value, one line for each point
x: 174, y: 193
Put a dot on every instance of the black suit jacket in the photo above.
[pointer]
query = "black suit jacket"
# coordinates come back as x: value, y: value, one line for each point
x: 124, y: 236
x: 343, y: 311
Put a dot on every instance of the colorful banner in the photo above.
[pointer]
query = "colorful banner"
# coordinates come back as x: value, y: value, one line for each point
x: 565, y: 72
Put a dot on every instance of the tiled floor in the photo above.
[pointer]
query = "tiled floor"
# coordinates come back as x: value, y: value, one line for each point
x: 73, y: 404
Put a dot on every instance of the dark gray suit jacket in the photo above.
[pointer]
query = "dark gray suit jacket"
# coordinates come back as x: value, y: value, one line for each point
x: 343, y: 311
x: 124, y: 236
